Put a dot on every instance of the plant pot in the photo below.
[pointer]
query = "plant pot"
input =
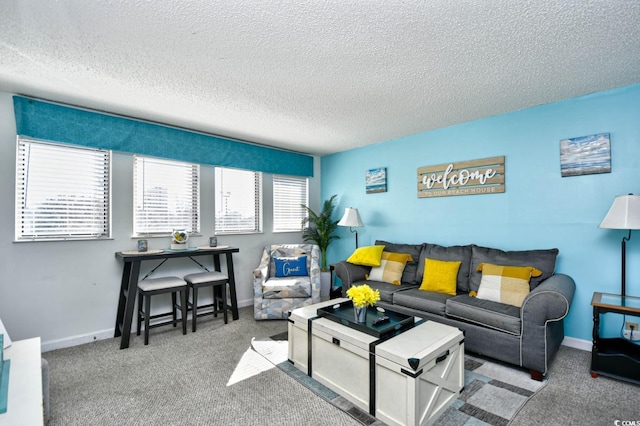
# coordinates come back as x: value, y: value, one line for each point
x: 325, y: 284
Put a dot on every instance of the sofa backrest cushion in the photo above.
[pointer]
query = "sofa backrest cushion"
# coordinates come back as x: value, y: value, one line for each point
x: 450, y: 253
x: 544, y: 260
x: 410, y: 273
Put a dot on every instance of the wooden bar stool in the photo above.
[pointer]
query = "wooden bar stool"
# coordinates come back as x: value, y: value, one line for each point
x: 153, y: 286
x: 218, y: 282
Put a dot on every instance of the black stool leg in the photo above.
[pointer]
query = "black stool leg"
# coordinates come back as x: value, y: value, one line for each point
x: 216, y: 296
x: 147, y: 314
x: 224, y: 301
x: 194, y: 308
x: 174, y: 314
x: 183, y: 309
x: 140, y: 297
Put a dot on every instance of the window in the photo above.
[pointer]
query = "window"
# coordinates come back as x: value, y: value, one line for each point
x: 238, y: 201
x: 62, y: 192
x: 289, y: 194
x: 166, y: 196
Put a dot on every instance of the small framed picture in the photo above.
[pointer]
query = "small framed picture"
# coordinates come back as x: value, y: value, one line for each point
x: 585, y: 155
x: 376, y: 180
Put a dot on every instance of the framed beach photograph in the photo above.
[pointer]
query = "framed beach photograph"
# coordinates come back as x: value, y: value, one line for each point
x: 585, y: 155
x: 376, y: 180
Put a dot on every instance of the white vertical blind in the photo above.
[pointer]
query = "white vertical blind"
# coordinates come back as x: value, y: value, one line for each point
x: 166, y: 196
x: 289, y: 194
x: 238, y: 201
x: 62, y: 192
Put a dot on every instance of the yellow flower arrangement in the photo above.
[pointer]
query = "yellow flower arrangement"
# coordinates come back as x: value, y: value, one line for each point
x: 363, y: 295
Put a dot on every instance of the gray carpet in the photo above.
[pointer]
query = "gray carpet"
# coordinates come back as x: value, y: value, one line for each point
x: 573, y: 397
x: 182, y: 380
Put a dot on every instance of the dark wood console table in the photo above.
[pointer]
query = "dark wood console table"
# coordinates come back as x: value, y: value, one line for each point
x: 131, y: 272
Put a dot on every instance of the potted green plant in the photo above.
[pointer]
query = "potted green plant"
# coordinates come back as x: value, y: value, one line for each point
x: 321, y: 228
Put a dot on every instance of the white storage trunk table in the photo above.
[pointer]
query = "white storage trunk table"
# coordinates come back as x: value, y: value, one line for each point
x: 406, y: 378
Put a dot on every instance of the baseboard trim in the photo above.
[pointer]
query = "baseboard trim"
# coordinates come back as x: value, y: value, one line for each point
x: 99, y: 335
x: 76, y: 340
x: 572, y: 342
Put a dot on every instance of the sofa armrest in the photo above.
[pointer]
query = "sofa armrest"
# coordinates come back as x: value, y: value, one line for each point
x: 549, y: 301
x: 542, y: 327
x: 350, y: 273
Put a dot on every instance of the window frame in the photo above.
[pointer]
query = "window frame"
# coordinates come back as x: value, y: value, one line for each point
x: 258, y: 207
x: 294, y: 182
x: 104, y: 163
x: 194, y: 184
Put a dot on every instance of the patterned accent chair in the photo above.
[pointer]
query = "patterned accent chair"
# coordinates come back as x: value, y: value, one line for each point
x: 274, y: 297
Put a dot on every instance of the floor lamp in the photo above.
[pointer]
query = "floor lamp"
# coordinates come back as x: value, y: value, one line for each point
x: 351, y: 218
x: 623, y: 214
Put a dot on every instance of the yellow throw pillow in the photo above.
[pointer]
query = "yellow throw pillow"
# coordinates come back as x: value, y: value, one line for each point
x: 505, y: 284
x: 440, y: 276
x: 367, y: 256
x: 391, y: 267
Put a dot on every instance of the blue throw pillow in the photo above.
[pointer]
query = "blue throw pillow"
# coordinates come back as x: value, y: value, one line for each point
x: 291, y: 266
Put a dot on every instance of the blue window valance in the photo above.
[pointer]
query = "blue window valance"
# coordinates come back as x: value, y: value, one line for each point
x: 60, y: 123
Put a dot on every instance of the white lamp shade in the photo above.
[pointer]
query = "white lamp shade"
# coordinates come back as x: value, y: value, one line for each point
x: 351, y: 218
x: 623, y: 214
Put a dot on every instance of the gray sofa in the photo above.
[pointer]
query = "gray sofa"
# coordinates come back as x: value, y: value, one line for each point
x: 527, y: 336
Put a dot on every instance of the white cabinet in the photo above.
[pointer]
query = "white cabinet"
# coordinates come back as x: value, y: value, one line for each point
x: 24, y: 403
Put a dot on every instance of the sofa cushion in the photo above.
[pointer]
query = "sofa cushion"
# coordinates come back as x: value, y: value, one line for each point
x: 286, y: 288
x: 427, y: 301
x: 391, y: 267
x: 367, y: 256
x: 505, y: 284
x: 440, y: 276
x: 455, y: 253
x: 544, y: 260
x: 487, y: 313
x: 410, y: 273
x: 386, y: 290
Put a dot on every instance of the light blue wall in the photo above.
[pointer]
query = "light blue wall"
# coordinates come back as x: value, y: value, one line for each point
x: 540, y: 209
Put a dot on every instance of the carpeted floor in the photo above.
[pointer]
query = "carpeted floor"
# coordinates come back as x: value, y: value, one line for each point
x: 181, y: 380
x: 201, y: 379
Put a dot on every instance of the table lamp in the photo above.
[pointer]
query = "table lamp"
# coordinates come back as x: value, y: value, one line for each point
x: 623, y: 214
x: 351, y: 218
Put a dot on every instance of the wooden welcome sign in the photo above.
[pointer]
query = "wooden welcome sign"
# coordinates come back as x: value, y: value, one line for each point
x: 485, y: 176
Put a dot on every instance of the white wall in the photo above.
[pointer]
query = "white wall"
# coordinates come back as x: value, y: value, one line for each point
x: 67, y: 292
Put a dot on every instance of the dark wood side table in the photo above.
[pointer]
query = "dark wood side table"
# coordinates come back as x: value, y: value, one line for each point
x: 615, y: 357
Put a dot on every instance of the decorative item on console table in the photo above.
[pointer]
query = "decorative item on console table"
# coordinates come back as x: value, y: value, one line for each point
x: 179, y: 238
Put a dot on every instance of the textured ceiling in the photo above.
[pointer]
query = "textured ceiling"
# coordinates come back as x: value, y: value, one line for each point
x: 316, y: 76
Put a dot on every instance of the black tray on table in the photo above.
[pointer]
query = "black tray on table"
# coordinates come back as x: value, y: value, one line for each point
x: 343, y: 313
